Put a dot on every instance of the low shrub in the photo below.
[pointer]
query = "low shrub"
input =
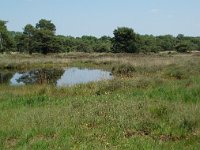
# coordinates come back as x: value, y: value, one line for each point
x: 123, y: 70
x: 176, y: 72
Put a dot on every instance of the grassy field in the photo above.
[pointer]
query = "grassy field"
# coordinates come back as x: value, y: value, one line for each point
x: 153, y: 102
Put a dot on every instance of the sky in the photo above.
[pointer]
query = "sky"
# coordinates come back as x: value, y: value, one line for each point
x: 101, y: 17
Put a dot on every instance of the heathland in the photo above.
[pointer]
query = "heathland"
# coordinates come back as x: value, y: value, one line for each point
x: 153, y: 102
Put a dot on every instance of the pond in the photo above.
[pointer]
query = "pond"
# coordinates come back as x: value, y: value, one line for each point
x: 57, y: 77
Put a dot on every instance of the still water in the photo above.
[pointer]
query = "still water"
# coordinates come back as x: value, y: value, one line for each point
x: 57, y: 77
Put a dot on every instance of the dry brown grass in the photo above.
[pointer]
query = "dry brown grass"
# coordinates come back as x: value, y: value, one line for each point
x: 137, y: 60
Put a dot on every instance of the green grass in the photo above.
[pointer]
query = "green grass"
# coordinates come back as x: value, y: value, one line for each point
x: 157, y: 106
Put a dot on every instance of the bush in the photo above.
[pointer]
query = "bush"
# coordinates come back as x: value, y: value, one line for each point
x: 184, y: 47
x: 177, y: 72
x: 123, y: 70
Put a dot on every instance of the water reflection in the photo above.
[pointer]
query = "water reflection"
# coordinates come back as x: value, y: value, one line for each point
x: 5, y: 77
x: 58, y: 77
x: 14, y: 80
x: 39, y: 76
x: 74, y: 76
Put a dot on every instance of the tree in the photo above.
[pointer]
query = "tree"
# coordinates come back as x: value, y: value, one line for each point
x: 46, y: 25
x: 148, y: 43
x: 104, y: 44
x: 6, y: 42
x: 40, y: 38
x: 125, y: 40
x: 45, y: 36
x: 166, y: 42
x: 180, y: 36
x: 29, y: 32
x: 3, y: 29
x: 67, y: 43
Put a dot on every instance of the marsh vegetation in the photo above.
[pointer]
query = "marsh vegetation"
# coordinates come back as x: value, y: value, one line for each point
x: 152, y: 102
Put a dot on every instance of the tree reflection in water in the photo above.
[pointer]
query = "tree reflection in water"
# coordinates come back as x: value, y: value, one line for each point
x: 5, y: 77
x: 41, y: 76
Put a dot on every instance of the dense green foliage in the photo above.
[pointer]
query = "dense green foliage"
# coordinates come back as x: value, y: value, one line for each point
x: 6, y: 42
x: 41, y: 38
x: 125, y: 40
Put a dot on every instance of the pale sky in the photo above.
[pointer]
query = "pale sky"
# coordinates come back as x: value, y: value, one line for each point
x: 101, y: 17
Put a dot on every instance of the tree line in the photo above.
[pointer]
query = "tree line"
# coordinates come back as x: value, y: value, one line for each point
x: 41, y: 38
